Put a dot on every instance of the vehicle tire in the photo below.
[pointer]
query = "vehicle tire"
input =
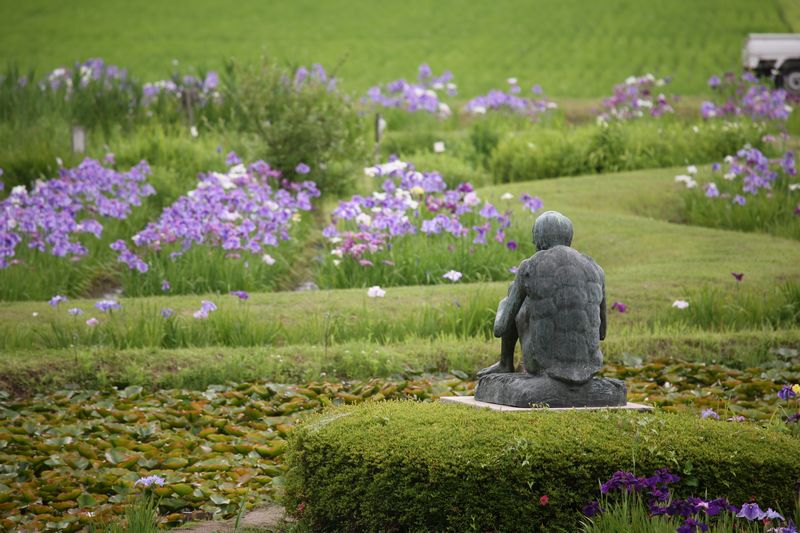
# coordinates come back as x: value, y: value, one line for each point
x: 791, y: 81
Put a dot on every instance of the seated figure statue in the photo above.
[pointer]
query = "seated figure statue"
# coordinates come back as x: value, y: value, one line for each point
x: 556, y: 308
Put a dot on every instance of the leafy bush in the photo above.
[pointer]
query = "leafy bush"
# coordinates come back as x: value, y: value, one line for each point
x: 300, y: 119
x: 423, y: 466
x: 596, y: 149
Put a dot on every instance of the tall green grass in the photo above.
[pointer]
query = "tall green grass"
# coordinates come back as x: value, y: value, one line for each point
x: 234, y: 324
x: 739, y: 307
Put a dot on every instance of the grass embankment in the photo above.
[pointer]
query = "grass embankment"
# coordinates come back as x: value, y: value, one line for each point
x: 482, y: 44
x: 620, y: 219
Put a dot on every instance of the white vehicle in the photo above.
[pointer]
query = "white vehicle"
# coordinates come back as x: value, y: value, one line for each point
x: 775, y: 55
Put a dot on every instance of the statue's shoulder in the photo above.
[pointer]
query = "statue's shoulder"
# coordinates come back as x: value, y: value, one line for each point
x: 591, y: 262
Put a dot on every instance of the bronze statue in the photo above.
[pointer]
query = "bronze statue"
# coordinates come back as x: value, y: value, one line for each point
x: 556, y: 308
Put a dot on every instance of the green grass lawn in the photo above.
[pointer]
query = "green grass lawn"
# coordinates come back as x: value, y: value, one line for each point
x: 580, y: 48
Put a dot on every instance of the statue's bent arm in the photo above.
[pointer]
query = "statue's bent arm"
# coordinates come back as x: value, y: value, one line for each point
x: 509, y: 307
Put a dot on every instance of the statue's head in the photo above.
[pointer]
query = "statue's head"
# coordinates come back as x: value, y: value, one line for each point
x: 552, y: 229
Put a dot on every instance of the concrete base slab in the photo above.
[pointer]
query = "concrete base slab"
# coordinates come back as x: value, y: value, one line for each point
x: 470, y: 401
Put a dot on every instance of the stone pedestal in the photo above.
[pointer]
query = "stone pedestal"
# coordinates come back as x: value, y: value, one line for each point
x: 519, y: 389
x: 470, y: 401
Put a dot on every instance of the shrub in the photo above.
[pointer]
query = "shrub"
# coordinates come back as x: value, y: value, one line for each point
x: 300, y: 119
x: 423, y: 466
x: 596, y: 149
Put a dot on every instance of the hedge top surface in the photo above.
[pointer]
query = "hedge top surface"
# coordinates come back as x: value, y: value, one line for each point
x: 453, y: 433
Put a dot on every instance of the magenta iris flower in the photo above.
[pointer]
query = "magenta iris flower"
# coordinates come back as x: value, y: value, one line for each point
x: 619, y: 306
x: 738, y: 276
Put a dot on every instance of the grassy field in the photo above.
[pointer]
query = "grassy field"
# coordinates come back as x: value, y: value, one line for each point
x: 579, y: 48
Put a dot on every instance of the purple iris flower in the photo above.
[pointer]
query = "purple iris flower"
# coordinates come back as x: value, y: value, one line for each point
x: 57, y: 299
x: 511, y: 245
x: 75, y: 311
x: 531, y: 203
x: 232, y: 159
x: 711, y: 190
x: 150, y: 480
x: 166, y: 312
x: 165, y: 286
x: 709, y: 413
x: 619, y: 306
x: 739, y: 199
x: 751, y: 511
x: 786, y: 393
x: 242, y: 295
x: 108, y: 305
x: 207, y: 306
x: 302, y: 168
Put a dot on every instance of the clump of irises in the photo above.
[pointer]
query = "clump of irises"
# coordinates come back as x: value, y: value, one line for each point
x: 651, y: 497
x: 637, y: 97
x: 747, y: 173
x: 247, y: 209
x: 186, y: 90
x: 511, y: 100
x: 424, y: 94
x: 53, y: 215
x: 745, y: 95
x: 411, y: 202
x: 92, y: 72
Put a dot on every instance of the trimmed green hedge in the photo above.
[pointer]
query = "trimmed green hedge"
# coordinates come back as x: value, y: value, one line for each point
x: 390, y: 466
x: 590, y: 149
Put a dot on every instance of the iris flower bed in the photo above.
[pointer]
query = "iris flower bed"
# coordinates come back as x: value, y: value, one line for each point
x: 422, y: 95
x: 415, y: 229
x: 748, y: 192
x: 237, y: 217
x: 51, y: 217
x: 636, y: 98
x: 509, y: 100
x: 745, y: 95
x: 642, y: 504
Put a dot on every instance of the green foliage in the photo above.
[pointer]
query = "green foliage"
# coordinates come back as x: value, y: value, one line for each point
x: 596, y: 149
x: 403, y: 465
x: 305, y: 122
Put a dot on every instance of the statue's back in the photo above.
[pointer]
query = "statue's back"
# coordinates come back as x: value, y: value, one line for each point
x: 559, y: 322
